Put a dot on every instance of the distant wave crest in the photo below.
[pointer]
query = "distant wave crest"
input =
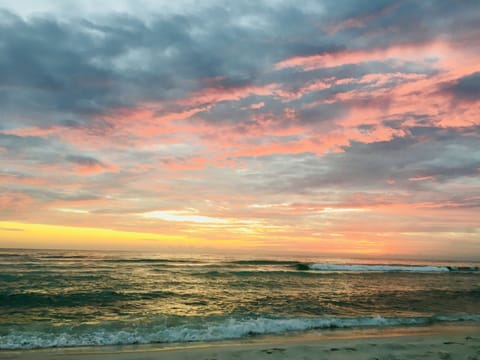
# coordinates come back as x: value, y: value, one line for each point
x: 383, y: 268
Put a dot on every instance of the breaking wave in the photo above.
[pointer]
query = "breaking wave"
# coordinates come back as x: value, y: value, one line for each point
x: 207, y: 330
x: 385, y: 268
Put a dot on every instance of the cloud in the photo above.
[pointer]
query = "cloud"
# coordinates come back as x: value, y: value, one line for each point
x: 177, y: 54
x: 119, y: 108
x: 444, y: 156
x: 466, y: 88
x: 88, y: 165
x: 10, y: 229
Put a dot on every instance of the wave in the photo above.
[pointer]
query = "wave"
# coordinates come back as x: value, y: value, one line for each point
x: 381, y: 268
x: 221, y: 329
x: 229, y: 273
x: 73, y: 299
x: 264, y: 262
x: 152, y: 261
x: 65, y: 257
x: 2, y: 254
x: 463, y: 268
x: 358, y: 267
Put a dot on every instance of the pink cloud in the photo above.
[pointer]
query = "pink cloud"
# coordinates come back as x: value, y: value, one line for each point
x: 12, y: 202
x: 414, y: 51
x: 360, y: 21
x: 421, y: 178
x: 257, y: 105
x: 219, y: 94
x: 194, y: 163
x: 95, y: 168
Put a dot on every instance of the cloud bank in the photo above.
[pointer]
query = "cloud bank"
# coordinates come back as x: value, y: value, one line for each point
x: 295, y: 125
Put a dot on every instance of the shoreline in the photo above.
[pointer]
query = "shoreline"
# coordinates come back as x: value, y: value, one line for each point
x: 445, y: 341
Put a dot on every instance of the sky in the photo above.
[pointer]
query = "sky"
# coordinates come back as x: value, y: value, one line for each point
x: 273, y: 126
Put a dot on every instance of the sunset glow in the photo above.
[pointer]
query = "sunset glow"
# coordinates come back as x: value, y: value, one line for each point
x: 325, y: 127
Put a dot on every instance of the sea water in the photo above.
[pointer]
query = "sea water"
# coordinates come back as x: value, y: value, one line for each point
x: 60, y: 298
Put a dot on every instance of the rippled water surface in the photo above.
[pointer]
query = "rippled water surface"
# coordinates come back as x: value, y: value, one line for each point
x: 69, y: 298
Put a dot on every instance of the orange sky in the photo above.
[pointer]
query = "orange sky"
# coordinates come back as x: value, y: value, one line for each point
x: 347, y: 130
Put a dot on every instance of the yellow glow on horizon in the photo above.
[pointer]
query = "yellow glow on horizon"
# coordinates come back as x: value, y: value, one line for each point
x: 16, y: 234
x: 241, y: 236
x: 247, y: 235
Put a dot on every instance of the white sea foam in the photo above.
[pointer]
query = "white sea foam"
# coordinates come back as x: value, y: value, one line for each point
x: 206, y: 331
x: 381, y: 268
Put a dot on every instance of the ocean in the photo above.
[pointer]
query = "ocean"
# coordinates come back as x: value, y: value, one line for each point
x: 57, y: 298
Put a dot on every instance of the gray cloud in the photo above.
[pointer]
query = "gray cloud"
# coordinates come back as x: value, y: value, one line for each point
x: 466, y: 88
x: 17, y: 143
x: 71, y: 69
x: 445, y: 155
x: 84, y: 161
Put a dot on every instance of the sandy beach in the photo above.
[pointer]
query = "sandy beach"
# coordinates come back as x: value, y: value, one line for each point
x: 439, y: 342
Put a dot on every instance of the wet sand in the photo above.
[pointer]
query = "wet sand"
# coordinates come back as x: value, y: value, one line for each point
x: 439, y: 342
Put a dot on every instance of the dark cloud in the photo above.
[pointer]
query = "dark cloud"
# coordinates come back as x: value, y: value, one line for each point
x: 71, y: 69
x: 445, y: 155
x: 381, y: 23
x: 467, y: 88
x: 84, y: 161
x: 321, y: 113
x: 46, y: 196
x: 32, y: 150
x: 366, y: 128
x: 16, y: 143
